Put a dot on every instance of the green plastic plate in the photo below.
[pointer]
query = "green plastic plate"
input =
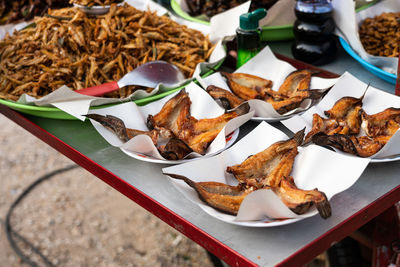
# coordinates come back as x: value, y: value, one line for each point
x: 55, y: 113
x: 269, y: 33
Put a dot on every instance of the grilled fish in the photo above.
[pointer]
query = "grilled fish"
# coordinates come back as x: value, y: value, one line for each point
x: 220, y: 196
x: 196, y: 134
x: 247, y: 86
x: 343, y: 118
x: 266, y: 168
x: 384, y: 123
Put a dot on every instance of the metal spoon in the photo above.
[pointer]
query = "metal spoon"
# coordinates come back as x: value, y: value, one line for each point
x: 149, y: 74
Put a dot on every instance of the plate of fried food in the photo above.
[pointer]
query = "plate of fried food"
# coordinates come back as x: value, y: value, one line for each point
x: 267, y: 179
x: 371, y: 36
x: 363, y: 122
x: 273, y: 88
x: 181, y: 127
x: 68, y: 47
x: 201, y: 12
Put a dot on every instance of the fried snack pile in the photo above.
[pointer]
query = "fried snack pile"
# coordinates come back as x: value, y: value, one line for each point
x: 268, y: 169
x: 380, y: 35
x: 79, y: 51
x: 174, y: 122
x: 213, y: 7
x: 344, y: 123
x: 245, y: 87
x: 14, y: 10
x: 90, y: 3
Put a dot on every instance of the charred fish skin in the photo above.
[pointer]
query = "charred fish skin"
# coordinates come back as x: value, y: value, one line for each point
x: 223, y: 197
x: 175, y: 149
x: 113, y: 124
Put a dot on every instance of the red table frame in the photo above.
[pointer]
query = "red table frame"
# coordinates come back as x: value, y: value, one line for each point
x: 230, y: 256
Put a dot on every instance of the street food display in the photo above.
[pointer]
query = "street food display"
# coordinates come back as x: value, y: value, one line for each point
x: 68, y: 47
x: 380, y: 35
x: 213, y: 7
x: 293, y: 91
x: 185, y: 133
x: 90, y: 3
x: 269, y: 169
x: 345, y: 123
x: 13, y: 11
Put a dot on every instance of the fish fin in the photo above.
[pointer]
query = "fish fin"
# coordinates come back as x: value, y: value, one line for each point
x: 323, y: 207
x: 299, y: 136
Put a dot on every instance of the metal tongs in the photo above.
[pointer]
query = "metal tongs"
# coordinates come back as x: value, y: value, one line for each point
x: 149, y: 75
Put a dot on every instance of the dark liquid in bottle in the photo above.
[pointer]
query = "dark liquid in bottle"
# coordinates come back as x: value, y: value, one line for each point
x: 313, y: 30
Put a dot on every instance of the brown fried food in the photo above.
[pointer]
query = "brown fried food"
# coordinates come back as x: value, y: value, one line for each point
x: 117, y: 126
x: 13, y: 11
x: 362, y: 146
x: 293, y: 91
x: 174, y: 122
x: 228, y: 100
x: 68, y: 47
x: 197, y: 134
x: 296, y: 81
x: 343, y: 118
x: 225, y: 198
x: 380, y: 35
x: 247, y: 86
x: 266, y: 168
x: 384, y: 123
x: 300, y: 201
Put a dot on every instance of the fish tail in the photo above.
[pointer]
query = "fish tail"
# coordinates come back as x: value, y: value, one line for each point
x: 181, y: 177
x: 323, y: 207
x: 299, y: 136
x: 112, y: 123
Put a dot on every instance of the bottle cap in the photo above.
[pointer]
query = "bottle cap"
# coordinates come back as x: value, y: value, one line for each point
x: 249, y: 21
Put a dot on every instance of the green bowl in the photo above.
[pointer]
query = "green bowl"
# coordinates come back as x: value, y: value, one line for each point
x: 269, y: 33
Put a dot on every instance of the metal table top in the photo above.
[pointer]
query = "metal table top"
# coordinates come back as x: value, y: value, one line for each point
x: 294, y: 244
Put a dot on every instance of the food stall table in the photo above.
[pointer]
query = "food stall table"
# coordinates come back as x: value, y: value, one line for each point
x: 289, y: 245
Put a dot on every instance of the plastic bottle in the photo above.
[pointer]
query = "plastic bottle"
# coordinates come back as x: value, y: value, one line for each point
x: 313, y: 31
x: 248, y: 35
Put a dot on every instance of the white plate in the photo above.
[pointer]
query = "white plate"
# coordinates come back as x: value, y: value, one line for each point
x: 96, y: 10
x: 394, y: 158
x: 230, y: 139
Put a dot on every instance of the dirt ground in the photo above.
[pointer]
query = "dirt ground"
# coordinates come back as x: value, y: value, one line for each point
x: 75, y: 219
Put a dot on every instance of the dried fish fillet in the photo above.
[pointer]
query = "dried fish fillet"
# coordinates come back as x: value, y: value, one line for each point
x: 185, y: 133
x: 343, y: 118
x: 247, y: 86
x: 291, y: 94
x: 266, y: 168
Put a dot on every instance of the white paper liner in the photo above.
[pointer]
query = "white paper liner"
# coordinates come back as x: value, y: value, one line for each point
x: 267, y: 66
x: 374, y: 101
x: 226, y: 23
x: 135, y: 117
x: 314, y: 167
x: 348, y: 22
x: 76, y: 104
